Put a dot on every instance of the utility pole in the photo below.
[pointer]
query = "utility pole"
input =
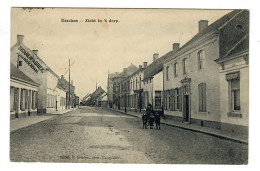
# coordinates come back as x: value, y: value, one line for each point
x: 69, y: 83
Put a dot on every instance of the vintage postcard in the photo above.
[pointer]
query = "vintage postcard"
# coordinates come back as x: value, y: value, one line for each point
x: 143, y: 86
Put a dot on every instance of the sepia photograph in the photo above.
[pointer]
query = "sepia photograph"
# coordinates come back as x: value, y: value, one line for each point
x: 129, y: 85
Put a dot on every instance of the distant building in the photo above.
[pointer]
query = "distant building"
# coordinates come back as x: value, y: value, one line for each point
x: 115, y: 80
x: 94, y: 97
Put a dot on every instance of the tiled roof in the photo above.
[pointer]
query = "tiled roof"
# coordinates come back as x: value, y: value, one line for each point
x: 240, y: 47
x: 156, y: 67
x: 211, y: 28
x: 19, y: 75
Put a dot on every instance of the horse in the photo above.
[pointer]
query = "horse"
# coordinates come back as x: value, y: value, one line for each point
x: 157, y: 120
x: 145, y: 120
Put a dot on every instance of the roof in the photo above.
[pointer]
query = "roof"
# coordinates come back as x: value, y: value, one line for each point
x: 20, y: 76
x: 156, y: 66
x: 97, y: 93
x: 214, y: 27
x: 240, y: 47
x: 34, y: 55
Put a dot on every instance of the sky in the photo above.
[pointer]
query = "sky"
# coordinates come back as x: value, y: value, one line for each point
x: 96, y: 48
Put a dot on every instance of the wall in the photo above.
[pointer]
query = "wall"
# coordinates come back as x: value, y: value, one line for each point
x: 39, y: 77
x: 208, y: 75
x: 235, y: 65
x: 21, y: 85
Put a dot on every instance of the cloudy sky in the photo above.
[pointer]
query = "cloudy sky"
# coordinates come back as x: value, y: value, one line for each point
x: 97, y: 48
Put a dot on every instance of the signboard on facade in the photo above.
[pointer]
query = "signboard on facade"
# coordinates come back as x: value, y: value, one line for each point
x: 30, y: 60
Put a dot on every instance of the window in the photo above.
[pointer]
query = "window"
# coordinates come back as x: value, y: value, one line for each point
x: 134, y: 85
x: 20, y: 63
x: 201, y: 59
x: 235, y: 94
x: 171, y: 100
x: 175, y: 69
x: 12, y: 99
x: 234, y: 90
x: 158, y: 99
x: 140, y: 81
x: 184, y: 65
x: 167, y: 73
x: 25, y: 99
x: 202, y: 97
x: 131, y: 85
x: 136, y: 82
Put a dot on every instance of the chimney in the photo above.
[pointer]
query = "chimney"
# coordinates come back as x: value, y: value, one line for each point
x: 62, y: 76
x: 124, y: 69
x: 145, y: 64
x: 71, y: 82
x: 203, y: 24
x: 155, y: 57
x: 140, y: 66
x: 175, y: 46
x: 20, y: 39
x: 35, y: 52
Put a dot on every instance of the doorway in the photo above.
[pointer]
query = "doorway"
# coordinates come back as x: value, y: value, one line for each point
x: 186, y: 114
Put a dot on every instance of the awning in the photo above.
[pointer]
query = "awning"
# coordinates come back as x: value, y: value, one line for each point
x: 233, y: 76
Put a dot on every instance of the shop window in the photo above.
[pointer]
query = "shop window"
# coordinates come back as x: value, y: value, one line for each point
x: 202, y: 97
x: 201, y: 60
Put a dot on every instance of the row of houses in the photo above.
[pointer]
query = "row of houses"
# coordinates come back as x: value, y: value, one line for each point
x: 98, y: 98
x: 35, y: 87
x: 204, y: 82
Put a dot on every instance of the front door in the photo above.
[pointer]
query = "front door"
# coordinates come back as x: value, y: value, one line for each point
x: 186, y: 110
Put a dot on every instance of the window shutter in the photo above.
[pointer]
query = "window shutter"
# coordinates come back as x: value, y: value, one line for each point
x: 180, y: 97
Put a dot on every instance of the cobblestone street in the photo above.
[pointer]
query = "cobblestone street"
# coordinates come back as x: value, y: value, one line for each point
x: 93, y: 135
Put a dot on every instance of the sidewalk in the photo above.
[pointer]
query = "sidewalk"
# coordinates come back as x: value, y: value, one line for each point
x: 31, y: 120
x: 195, y: 128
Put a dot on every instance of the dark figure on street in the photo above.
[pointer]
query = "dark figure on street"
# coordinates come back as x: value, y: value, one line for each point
x: 157, y: 119
x: 145, y: 120
x: 151, y: 120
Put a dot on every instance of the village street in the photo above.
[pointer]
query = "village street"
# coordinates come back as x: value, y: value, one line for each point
x: 95, y: 135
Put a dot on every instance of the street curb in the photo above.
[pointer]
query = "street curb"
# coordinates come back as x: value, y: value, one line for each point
x: 46, y: 114
x: 30, y: 124
x: 190, y: 129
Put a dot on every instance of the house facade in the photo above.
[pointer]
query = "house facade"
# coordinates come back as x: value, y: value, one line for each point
x: 234, y: 87
x: 23, y: 94
x: 192, y: 82
x: 50, y: 94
